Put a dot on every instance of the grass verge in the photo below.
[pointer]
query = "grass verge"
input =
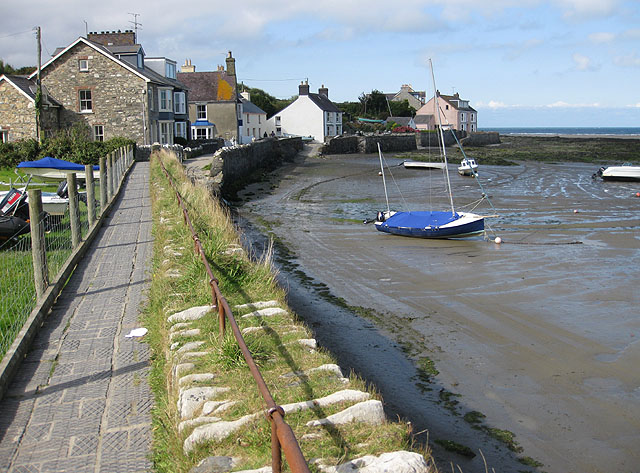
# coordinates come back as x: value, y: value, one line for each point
x: 179, y: 281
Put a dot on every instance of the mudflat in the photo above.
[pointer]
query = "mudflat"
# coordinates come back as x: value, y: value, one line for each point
x: 539, y: 333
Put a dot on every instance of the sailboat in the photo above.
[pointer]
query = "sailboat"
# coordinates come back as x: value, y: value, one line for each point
x: 429, y: 224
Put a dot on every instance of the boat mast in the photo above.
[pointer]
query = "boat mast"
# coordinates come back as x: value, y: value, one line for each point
x: 444, y: 150
x: 384, y: 182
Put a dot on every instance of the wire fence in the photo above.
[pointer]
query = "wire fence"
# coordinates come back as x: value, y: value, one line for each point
x: 19, y: 271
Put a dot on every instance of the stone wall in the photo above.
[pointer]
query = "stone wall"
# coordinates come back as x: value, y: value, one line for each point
x: 369, y: 143
x: 233, y: 168
x: 392, y: 142
x: 118, y: 102
x: 342, y: 145
x: 17, y: 113
x: 482, y: 138
x: 143, y: 152
x: 426, y: 139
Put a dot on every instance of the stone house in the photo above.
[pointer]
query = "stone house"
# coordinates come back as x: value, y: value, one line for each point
x: 254, y: 120
x: 415, y: 98
x: 402, y: 121
x: 310, y: 114
x: 214, y: 106
x: 104, y: 82
x: 17, y: 109
x: 455, y: 112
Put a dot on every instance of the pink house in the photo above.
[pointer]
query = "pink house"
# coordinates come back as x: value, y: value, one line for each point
x: 454, y: 111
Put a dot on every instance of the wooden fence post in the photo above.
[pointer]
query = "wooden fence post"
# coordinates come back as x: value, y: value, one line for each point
x: 110, y: 175
x: 103, y: 184
x: 91, y: 194
x: 38, y: 250
x: 74, y: 215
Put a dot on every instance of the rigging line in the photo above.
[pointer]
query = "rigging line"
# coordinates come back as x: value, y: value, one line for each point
x: 394, y: 181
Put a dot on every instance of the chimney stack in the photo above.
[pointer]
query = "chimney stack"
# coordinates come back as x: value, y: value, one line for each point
x: 231, y: 65
x: 188, y: 67
x: 323, y: 91
x: 303, y: 88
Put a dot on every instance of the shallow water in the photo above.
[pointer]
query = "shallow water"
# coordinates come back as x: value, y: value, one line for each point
x: 540, y: 333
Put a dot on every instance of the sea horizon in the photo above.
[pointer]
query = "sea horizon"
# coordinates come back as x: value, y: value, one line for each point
x: 552, y: 131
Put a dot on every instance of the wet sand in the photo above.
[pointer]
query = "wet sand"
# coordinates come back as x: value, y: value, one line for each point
x: 540, y: 333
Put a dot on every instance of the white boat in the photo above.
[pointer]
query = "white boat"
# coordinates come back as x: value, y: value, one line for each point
x: 52, y: 203
x: 625, y: 172
x: 422, y: 165
x: 468, y: 167
x: 429, y: 223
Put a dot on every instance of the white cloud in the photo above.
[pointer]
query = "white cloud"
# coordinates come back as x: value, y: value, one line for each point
x: 629, y: 60
x: 587, y: 9
x: 602, y: 37
x: 584, y: 63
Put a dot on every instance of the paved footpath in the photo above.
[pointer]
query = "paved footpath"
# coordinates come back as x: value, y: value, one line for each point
x: 81, y: 401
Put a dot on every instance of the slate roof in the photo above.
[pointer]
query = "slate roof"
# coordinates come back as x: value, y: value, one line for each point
x: 324, y: 103
x: 400, y: 121
x: 213, y: 86
x: 145, y: 73
x: 422, y: 119
x: 452, y: 99
x: 250, y: 107
x: 28, y: 87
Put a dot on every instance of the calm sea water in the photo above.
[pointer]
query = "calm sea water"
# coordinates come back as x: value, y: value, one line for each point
x: 633, y: 131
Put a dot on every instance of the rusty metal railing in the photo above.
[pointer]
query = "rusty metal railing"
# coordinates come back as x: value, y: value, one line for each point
x: 282, y: 436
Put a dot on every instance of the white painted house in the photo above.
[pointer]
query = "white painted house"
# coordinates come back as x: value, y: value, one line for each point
x: 254, y: 121
x: 310, y: 114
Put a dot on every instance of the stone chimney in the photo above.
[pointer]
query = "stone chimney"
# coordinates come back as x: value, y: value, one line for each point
x: 188, y: 67
x: 303, y: 88
x: 323, y: 91
x: 231, y: 65
x: 113, y: 38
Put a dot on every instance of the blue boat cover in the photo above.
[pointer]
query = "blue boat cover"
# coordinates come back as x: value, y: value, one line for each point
x: 53, y: 163
x: 421, y: 219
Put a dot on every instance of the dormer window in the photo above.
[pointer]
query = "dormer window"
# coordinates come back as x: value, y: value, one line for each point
x: 170, y: 70
x: 83, y: 65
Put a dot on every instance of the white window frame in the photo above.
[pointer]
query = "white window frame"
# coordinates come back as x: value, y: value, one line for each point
x: 166, y: 96
x: 98, y: 132
x: 196, y: 131
x: 463, y: 117
x: 83, y: 65
x: 88, y: 102
x: 179, y: 103
x: 165, y: 132
x: 200, y: 108
x: 4, y: 136
x: 170, y: 70
x: 180, y: 130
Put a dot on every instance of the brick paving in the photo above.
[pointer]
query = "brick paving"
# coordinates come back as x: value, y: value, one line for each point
x: 81, y: 400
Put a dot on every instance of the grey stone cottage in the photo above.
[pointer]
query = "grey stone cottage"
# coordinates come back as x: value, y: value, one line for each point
x: 105, y: 81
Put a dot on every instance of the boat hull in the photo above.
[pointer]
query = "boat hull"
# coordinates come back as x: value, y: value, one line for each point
x: 426, y: 225
x: 621, y: 173
x: 422, y: 165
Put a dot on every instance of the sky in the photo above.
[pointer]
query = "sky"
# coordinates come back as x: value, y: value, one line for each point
x: 518, y: 62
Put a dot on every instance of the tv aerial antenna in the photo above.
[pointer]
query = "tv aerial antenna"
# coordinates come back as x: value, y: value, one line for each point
x: 135, y: 24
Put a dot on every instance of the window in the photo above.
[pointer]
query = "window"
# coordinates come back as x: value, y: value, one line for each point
x: 170, y: 70
x: 166, y: 100
x: 472, y: 117
x: 179, y: 103
x: 4, y: 136
x: 83, y: 65
x: 201, y: 112
x: 151, y: 101
x: 446, y: 107
x: 98, y: 132
x: 140, y: 60
x: 277, y: 121
x: 259, y: 119
x: 463, y: 117
x: 181, y: 129
x: 86, y: 104
x: 201, y: 133
x: 166, y: 133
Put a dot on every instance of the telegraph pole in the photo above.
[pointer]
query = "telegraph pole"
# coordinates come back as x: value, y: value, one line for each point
x: 39, y: 87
